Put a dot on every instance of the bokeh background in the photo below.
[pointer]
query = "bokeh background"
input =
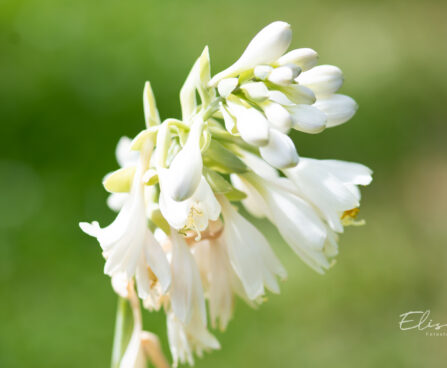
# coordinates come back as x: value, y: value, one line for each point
x: 71, y: 80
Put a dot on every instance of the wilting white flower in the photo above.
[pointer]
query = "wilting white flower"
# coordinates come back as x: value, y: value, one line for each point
x: 267, y: 46
x: 250, y: 254
x: 183, y: 176
x: 330, y: 185
x: 193, y: 213
x: 127, y: 243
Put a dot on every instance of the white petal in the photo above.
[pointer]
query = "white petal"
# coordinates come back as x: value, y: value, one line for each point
x: 258, y: 165
x: 349, y: 172
x: 229, y: 121
x: 226, y: 86
x: 338, y: 109
x: 305, y: 58
x: 124, y: 155
x: 307, y: 118
x: 253, y: 203
x: 267, y: 46
x: 323, y: 79
x: 280, y: 152
x: 186, y: 289
x: 115, y: 201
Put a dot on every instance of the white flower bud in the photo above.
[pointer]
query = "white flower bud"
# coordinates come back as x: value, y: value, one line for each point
x: 323, y: 79
x: 299, y: 94
x: 304, y: 58
x: 280, y: 152
x: 262, y: 71
x: 284, y: 75
x: 338, y: 108
x: 307, y: 118
x: 256, y: 91
x: 226, y: 86
x: 251, y: 124
x: 278, y: 116
x: 266, y: 47
x: 183, y: 176
x: 279, y: 97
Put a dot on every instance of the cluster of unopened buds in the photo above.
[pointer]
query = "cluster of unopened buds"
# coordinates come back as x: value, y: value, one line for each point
x: 179, y: 238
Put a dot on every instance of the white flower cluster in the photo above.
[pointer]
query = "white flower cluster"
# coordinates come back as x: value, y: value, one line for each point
x: 178, y: 234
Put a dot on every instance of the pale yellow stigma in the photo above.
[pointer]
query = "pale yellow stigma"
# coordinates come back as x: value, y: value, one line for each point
x: 348, y: 218
x: 191, y: 224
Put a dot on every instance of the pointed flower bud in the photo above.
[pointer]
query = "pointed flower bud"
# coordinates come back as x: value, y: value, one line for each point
x: 267, y: 46
x: 280, y: 152
x: 255, y: 91
x: 323, y: 79
x: 226, y: 86
x: 183, y: 176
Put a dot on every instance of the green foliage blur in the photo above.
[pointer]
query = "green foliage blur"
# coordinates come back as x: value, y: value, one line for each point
x: 71, y: 80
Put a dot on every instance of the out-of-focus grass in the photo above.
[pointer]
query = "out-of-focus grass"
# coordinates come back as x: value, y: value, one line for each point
x: 71, y: 81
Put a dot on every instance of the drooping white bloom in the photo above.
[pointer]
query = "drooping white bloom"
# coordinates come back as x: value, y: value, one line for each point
x: 330, y: 185
x: 250, y: 254
x: 185, y: 171
x: 296, y: 220
x: 267, y: 46
x: 127, y: 243
x: 188, y: 339
x: 186, y: 290
x: 186, y: 320
x: 193, y: 213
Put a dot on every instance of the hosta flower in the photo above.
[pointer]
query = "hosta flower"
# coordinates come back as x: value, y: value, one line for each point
x: 250, y: 254
x: 129, y: 247
x: 331, y: 186
x: 179, y: 237
x: 193, y: 213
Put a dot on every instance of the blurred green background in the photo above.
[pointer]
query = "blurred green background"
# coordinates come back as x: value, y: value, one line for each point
x: 71, y: 80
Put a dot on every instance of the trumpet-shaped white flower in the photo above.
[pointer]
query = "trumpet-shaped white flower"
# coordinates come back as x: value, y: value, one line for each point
x: 331, y: 186
x: 193, y: 213
x: 188, y: 339
x: 250, y: 254
x: 127, y: 243
x: 267, y: 46
x: 185, y: 171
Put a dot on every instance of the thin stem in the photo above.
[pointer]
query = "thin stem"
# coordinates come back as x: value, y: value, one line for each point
x: 123, y: 330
